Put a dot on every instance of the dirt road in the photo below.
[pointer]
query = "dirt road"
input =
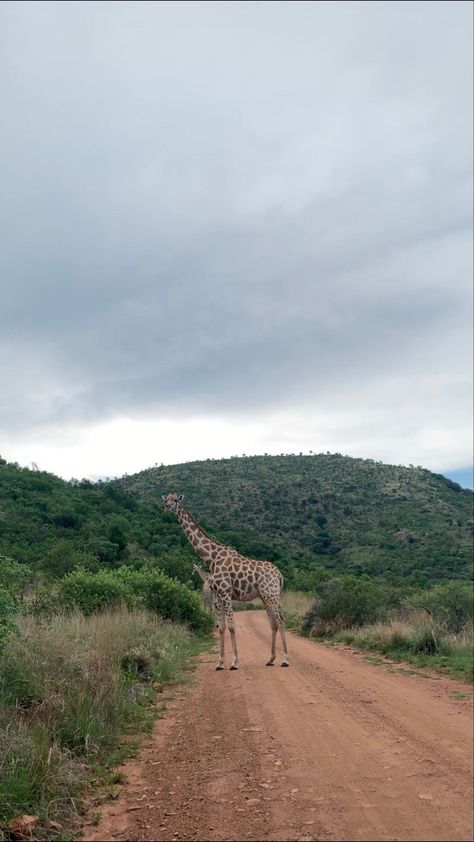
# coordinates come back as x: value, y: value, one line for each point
x: 332, y: 748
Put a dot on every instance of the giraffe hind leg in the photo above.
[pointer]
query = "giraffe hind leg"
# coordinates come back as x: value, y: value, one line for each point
x: 231, y: 625
x: 281, y: 627
x: 277, y: 622
x: 274, y: 626
x: 272, y: 657
x: 220, y: 663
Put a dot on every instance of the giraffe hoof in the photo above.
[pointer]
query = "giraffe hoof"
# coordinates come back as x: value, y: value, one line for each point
x: 233, y: 667
x: 285, y: 664
x: 269, y: 664
x: 220, y: 667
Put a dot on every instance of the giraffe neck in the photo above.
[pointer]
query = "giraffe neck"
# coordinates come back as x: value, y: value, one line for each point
x: 200, y: 541
x: 202, y: 573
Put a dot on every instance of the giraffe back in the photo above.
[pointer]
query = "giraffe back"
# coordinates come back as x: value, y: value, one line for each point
x: 244, y: 579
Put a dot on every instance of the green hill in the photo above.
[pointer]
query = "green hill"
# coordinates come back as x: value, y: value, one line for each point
x: 303, y: 512
x: 329, y: 510
x: 53, y: 526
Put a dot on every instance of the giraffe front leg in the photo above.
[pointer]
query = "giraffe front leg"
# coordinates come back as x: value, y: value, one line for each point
x: 220, y: 663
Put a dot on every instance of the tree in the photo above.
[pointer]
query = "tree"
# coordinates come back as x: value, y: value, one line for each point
x: 118, y: 533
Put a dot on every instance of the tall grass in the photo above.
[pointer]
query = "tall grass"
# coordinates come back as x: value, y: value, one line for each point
x: 69, y: 689
x: 295, y: 605
x: 419, y: 641
x: 410, y: 635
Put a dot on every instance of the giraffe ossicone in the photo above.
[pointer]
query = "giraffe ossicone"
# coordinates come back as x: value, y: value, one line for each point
x: 233, y: 576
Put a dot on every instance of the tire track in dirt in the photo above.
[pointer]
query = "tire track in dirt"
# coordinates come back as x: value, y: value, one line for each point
x: 333, y: 748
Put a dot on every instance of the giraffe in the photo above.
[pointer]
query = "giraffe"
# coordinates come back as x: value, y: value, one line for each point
x: 207, y: 593
x: 233, y: 576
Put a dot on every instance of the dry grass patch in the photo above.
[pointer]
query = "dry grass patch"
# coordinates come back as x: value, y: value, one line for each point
x: 418, y: 640
x: 295, y: 605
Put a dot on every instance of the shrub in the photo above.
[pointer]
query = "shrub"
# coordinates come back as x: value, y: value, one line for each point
x: 311, y: 580
x: 147, y: 587
x: 8, y: 608
x: 67, y: 518
x: 118, y: 534
x: 106, y: 551
x: 170, y: 599
x: 14, y: 577
x: 176, y: 565
x: 63, y: 557
x: 94, y: 591
x: 344, y: 602
x: 44, y: 602
x: 449, y: 603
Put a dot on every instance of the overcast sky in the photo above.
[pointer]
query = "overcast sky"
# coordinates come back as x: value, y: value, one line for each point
x: 235, y: 227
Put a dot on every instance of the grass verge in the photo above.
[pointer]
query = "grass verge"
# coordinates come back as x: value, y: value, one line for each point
x: 295, y: 605
x: 71, y: 689
x: 415, y: 639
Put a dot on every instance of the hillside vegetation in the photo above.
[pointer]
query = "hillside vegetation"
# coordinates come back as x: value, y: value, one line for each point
x: 310, y: 514
x: 344, y: 514
x: 54, y: 526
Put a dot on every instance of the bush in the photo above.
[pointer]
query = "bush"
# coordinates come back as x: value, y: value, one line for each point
x: 170, y: 599
x: 177, y: 565
x: 94, y: 591
x: 416, y: 640
x: 66, y: 518
x: 106, y: 551
x: 14, y: 577
x: 118, y: 534
x: 449, y: 603
x: 8, y: 608
x: 311, y: 580
x: 150, y: 588
x: 44, y: 602
x: 344, y: 602
x: 63, y: 557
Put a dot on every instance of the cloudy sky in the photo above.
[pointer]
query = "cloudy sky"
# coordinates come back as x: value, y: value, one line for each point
x: 235, y: 227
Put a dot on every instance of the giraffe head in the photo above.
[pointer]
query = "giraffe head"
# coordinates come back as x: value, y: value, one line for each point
x: 172, y: 501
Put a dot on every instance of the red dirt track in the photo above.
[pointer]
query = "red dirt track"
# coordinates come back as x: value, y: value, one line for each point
x: 332, y: 748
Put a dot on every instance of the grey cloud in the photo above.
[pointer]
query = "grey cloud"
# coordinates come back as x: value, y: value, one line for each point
x: 222, y: 207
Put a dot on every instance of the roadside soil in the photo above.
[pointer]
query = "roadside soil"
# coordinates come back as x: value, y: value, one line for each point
x: 335, y: 747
